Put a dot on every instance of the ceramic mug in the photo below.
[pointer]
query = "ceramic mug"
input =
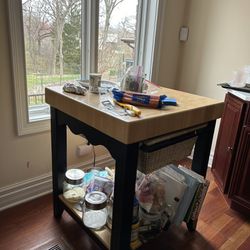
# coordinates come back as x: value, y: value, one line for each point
x: 94, y: 82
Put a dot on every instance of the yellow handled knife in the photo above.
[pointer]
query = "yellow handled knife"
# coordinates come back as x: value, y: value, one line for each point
x: 131, y: 110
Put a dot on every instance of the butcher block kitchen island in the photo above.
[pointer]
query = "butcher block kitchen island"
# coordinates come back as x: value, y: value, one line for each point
x: 123, y: 135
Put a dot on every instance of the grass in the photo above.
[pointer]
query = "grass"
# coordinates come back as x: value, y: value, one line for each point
x: 34, y: 80
x: 37, y: 82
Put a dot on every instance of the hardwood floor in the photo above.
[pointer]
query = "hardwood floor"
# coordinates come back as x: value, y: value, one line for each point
x: 30, y: 225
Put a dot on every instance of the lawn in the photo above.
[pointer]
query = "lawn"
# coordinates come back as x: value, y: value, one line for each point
x: 34, y: 80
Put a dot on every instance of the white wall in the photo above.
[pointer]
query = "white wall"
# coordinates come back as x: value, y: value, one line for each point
x: 218, y: 44
x: 170, y: 45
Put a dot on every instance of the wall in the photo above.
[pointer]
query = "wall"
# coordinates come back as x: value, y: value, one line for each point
x: 22, y: 157
x: 168, y: 56
x: 218, y: 44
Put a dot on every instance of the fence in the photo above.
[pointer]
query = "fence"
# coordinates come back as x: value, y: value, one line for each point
x: 34, y: 99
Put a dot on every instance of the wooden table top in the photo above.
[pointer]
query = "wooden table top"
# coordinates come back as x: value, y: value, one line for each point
x: 192, y: 110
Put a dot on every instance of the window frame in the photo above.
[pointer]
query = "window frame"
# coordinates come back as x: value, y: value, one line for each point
x: 24, y: 126
x: 147, y: 24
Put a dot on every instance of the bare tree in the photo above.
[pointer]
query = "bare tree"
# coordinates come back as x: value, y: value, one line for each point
x: 109, y: 8
x: 37, y: 28
x: 45, y: 21
x: 58, y: 11
x: 107, y: 47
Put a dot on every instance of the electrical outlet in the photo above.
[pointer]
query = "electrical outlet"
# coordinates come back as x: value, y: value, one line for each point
x: 183, y: 36
x: 83, y: 149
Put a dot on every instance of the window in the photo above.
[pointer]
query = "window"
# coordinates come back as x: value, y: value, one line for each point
x: 55, y: 41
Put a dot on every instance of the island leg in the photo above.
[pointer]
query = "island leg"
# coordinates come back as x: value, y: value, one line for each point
x: 202, y: 149
x: 125, y: 177
x: 59, y: 159
x: 201, y: 157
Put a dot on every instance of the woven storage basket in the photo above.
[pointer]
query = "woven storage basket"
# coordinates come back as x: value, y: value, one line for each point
x: 151, y: 161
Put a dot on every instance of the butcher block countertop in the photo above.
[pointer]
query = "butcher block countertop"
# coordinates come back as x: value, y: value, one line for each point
x: 192, y: 110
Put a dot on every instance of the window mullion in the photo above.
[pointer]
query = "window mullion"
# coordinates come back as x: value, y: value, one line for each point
x: 140, y: 34
x: 145, y: 41
x: 84, y: 40
x: 89, y: 37
x: 94, y: 35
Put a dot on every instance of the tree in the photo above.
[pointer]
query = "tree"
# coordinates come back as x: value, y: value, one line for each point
x: 107, y: 49
x: 36, y: 29
x: 58, y: 11
x: 53, y: 29
x: 72, y: 41
x: 109, y: 8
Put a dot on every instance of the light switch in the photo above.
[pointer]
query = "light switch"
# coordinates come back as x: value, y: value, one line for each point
x: 183, y: 36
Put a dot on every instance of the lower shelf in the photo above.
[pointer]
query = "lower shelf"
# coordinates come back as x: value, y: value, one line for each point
x: 104, y: 235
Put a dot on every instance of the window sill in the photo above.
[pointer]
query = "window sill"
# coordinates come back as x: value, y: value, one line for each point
x: 39, y: 120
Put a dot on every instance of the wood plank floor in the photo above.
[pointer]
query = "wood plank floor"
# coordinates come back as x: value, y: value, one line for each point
x: 30, y: 225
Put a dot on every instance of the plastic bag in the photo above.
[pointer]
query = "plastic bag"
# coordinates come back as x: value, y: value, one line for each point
x: 101, y: 184
x: 150, y: 88
x: 133, y: 79
x: 151, y: 194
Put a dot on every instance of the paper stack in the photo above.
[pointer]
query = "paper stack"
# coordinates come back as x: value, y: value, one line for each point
x: 194, y: 196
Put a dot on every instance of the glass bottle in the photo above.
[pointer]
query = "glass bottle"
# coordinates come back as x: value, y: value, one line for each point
x: 95, y: 210
x: 73, y: 190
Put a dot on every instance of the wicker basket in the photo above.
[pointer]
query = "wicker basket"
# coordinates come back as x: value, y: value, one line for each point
x: 151, y: 161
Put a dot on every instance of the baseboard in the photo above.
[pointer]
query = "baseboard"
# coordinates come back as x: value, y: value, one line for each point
x: 210, y: 160
x: 21, y: 192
